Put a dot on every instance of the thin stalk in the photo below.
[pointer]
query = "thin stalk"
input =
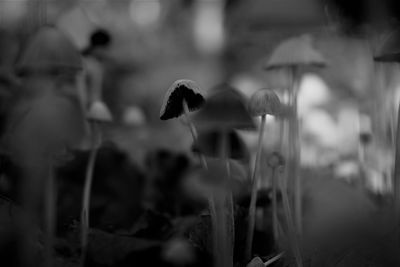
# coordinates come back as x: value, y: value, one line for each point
x: 295, y: 149
x: 275, y: 222
x: 396, y: 182
x: 50, y: 212
x: 229, y: 201
x: 87, y: 191
x: 274, y: 259
x: 225, y: 256
x: 253, y: 199
x: 290, y: 224
x: 193, y: 132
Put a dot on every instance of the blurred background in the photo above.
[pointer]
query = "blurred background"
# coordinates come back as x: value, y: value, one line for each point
x: 156, y: 42
x: 347, y: 111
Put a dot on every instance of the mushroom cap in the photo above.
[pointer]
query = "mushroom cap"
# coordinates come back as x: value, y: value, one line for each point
x: 179, y: 91
x: 263, y: 102
x: 225, y: 109
x: 390, y: 50
x: 275, y: 159
x: 297, y: 51
x: 208, y: 144
x: 49, y: 50
x: 99, y: 112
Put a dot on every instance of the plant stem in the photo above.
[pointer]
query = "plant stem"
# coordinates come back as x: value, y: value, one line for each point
x: 396, y: 177
x: 224, y: 257
x: 274, y: 207
x: 253, y: 199
x: 290, y: 224
x: 295, y: 149
x: 50, y: 211
x: 274, y: 259
x: 193, y: 132
x: 230, y: 202
x: 87, y: 191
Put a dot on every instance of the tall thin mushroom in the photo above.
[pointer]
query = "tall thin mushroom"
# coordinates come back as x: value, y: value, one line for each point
x: 224, y: 111
x: 294, y: 55
x: 48, y: 68
x: 98, y: 114
x: 390, y: 54
x: 262, y: 103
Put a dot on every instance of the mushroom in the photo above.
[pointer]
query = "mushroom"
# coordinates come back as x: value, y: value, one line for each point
x: 182, y: 97
x: 98, y: 114
x: 390, y: 54
x: 49, y: 52
x: 46, y: 116
x: 100, y: 38
x: 224, y: 111
x: 262, y: 103
x: 294, y: 55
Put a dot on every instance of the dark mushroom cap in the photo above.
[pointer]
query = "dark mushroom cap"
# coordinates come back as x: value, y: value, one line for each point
x: 297, y: 51
x: 208, y: 144
x: 99, y: 112
x: 49, y: 50
x: 100, y: 38
x: 390, y: 50
x: 264, y: 102
x: 225, y: 109
x: 179, y: 91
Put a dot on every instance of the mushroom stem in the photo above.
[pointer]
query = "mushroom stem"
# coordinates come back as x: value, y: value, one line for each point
x: 87, y: 190
x: 396, y: 177
x: 50, y: 211
x: 222, y: 233
x: 253, y: 199
x: 295, y: 149
x: 290, y: 223
x: 193, y: 132
x: 275, y: 221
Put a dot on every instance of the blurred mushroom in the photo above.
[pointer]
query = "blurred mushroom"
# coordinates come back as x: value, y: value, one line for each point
x: 224, y: 111
x: 390, y: 54
x: 45, y: 118
x: 98, y: 114
x: 49, y: 52
x: 182, y: 97
x: 100, y: 38
x: 294, y: 55
x: 262, y: 103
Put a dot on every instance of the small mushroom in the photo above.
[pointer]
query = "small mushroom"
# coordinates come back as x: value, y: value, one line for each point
x: 182, y: 97
x: 295, y: 55
x: 100, y: 38
x: 49, y: 51
x: 98, y: 114
x: 262, y: 103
